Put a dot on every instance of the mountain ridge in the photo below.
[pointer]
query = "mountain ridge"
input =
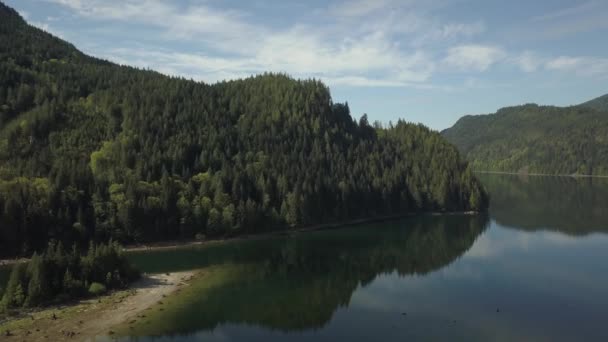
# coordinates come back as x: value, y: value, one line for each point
x: 531, y: 138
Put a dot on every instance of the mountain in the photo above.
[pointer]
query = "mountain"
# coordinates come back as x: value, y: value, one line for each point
x: 90, y: 150
x: 599, y: 103
x: 536, y: 139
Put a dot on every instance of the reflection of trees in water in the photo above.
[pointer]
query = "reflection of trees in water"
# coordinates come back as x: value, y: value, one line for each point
x: 299, y: 283
x: 574, y: 206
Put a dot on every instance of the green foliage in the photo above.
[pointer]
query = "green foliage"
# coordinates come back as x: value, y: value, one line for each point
x: 536, y: 139
x: 599, y: 104
x: 14, y: 295
x: 92, y: 151
x: 57, y: 273
x: 538, y: 203
x: 97, y: 289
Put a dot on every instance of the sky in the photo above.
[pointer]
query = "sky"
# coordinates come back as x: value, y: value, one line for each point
x: 428, y: 61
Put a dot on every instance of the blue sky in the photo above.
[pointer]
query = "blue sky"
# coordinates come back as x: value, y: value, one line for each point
x: 428, y: 61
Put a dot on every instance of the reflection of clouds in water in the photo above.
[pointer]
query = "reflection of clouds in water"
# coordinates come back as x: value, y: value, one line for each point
x: 493, y: 243
x: 462, y: 271
x: 411, y: 291
x: 371, y: 300
x: 499, y: 255
x: 539, y: 258
x: 450, y: 296
x: 500, y: 240
x: 392, y: 293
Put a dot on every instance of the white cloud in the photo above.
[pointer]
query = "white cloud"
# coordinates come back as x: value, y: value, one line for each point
x: 358, y: 43
x: 528, y: 61
x: 564, y: 63
x: 221, y: 28
x: 367, y: 63
x: 24, y: 14
x: 473, y: 57
x: 360, y: 58
x: 41, y: 25
x: 584, y: 66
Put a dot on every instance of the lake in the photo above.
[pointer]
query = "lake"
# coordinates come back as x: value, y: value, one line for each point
x: 534, y: 269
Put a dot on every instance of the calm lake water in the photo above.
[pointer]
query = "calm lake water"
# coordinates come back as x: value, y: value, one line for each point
x: 534, y: 269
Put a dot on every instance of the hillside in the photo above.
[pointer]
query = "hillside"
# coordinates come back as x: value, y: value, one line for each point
x: 90, y: 150
x: 536, y: 139
x: 599, y: 103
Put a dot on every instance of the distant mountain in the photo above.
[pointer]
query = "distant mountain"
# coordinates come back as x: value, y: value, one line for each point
x: 90, y: 150
x: 600, y: 103
x: 536, y: 139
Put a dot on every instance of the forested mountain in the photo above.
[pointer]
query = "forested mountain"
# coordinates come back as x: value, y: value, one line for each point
x: 536, y: 139
x: 599, y: 103
x: 90, y: 150
x: 540, y: 203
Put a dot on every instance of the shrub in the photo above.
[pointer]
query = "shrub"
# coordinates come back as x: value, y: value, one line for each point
x: 97, y: 289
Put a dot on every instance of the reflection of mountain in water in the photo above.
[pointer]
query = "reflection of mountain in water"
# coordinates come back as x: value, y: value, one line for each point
x: 574, y: 206
x: 298, y: 283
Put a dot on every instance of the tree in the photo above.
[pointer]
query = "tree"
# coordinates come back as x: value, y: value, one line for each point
x: 14, y: 296
x: 37, y: 290
x: 93, y: 151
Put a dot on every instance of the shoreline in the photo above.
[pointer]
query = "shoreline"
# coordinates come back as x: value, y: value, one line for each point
x: 95, y: 318
x: 289, y: 231
x: 164, y: 245
x: 574, y: 175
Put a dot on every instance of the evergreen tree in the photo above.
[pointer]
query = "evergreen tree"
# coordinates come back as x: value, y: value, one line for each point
x: 91, y: 151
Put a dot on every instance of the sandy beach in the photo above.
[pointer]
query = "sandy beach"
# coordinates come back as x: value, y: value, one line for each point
x: 93, y: 319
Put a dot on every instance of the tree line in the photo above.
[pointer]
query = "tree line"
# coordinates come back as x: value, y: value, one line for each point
x: 58, y: 274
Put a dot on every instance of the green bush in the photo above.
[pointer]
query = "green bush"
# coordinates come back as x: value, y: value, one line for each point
x: 97, y: 289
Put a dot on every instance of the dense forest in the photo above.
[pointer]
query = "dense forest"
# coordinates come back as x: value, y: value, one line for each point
x: 93, y: 151
x: 539, y: 203
x: 599, y: 103
x: 536, y: 139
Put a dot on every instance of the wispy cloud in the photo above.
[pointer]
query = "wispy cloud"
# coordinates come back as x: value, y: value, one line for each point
x: 584, y: 17
x: 584, y: 66
x: 240, y: 47
x: 568, y: 12
x: 528, y: 61
x: 388, y: 43
x: 24, y: 14
x: 473, y: 57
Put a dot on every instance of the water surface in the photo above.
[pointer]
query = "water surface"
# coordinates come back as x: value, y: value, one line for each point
x: 534, y: 270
